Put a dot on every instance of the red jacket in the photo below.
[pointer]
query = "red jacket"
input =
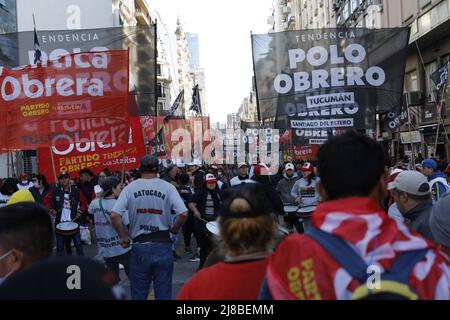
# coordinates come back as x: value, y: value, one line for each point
x: 226, y: 281
x: 301, y: 269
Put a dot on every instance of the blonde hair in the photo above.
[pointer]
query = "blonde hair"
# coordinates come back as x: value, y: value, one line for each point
x: 246, y: 235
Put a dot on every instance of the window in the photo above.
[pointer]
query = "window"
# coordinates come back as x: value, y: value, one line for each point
x: 429, y: 84
x: 354, y: 5
x: 425, y: 22
x: 414, y: 27
x: 424, y: 3
x: 345, y: 12
x: 158, y: 69
x: 411, y: 83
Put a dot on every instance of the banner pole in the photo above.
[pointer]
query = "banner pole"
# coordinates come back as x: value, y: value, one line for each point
x: 8, y: 164
x: 53, y: 166
x: 258, y: 110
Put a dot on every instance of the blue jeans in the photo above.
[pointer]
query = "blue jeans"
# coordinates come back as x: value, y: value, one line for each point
x: 151, y: 261
x: 76, y: 240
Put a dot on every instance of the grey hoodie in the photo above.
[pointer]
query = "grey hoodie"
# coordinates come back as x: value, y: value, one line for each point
x: 284, y: 188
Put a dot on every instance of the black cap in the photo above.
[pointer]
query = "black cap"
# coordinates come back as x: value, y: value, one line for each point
x: 254, y: 193
x: 63, y: 175
x: 108, y: 183
x: 149, y: 161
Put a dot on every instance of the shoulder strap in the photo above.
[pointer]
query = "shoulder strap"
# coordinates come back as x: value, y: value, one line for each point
x: 341, y: 252
x: 103, y: 210
x: 403, y: 265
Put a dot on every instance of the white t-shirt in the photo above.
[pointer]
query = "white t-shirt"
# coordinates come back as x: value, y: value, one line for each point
x: 151, y: 204
x: 65, y: 214
x: 308, y: 193
x: 108, y: 241
x: 26, y: 186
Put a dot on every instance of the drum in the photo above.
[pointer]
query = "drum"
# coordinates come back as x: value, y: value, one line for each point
x: 290, y: 209
x: 67, y: 228
x: 213, y: 227
x: 306, y: 211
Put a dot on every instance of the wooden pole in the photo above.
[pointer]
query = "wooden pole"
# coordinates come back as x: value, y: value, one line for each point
x: 53, y: 165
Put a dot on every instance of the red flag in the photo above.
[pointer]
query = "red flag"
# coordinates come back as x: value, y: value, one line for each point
x: 78, y: 98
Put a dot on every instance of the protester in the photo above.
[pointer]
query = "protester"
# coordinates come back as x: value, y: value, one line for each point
x: 66, y: 203
x: 24, y: 183
x: 437, y: 180
x: 189, y: 226
x: 440, y: 222
x: 286, y: 184
x: 87, y: 183
x: 151, y: 204
x: 305, y: 192
x: 8, y: 188
x: 108, y: 241
x: 411, y: 193
x: 23, y: 195
x: 54, y: 279
x: 247, y: 231
x: 319, y: 265
x: 197, y: 174
x: 26, y: 236
x: 393, y: 211
x: 40, y: 188
x: 172, y: 174
x: 242, y: 176
x: 261, y: 175
x: 205, y: 204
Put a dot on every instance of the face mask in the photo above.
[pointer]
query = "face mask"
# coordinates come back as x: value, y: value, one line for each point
x: 2, y: 279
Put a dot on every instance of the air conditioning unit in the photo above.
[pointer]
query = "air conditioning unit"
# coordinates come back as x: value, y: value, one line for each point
x: 414, y: 98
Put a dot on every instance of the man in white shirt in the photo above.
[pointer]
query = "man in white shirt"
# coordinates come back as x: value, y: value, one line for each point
x: 152, y: 204
x: 243, y: 174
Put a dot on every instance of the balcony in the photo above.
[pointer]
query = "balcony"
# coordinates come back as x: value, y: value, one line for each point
x: 143, y: 17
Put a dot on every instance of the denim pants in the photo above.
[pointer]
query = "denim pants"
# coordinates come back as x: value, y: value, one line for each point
x: 151, y: 262
x: 60, y: 239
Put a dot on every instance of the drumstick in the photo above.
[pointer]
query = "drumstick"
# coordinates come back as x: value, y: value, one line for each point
x: 202, y: 219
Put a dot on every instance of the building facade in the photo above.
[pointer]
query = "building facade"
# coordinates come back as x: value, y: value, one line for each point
x: 429, y: 48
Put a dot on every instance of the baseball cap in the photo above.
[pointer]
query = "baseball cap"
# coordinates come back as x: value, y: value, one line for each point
x: 254, y: 194
x: 242, y: 164
x: 63, y: 175
x: 289, y: 166
x: 23, y: 175
x: 429, y: 163
x: 307, y: 167
x: 261, y: 169
x: 411, y: 182
x: 392, y: 177
x: 195, y: 162
x: 23, y: 195
x: 149, y: 161
x: 210, y: 178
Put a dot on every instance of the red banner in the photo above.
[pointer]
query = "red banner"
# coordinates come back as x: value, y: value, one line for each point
x: 194, y: 126
x: 77, y: 98
x: 94, y: 155
x: 304, y: 152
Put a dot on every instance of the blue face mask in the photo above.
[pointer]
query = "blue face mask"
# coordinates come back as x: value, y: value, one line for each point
x: 2, y: 279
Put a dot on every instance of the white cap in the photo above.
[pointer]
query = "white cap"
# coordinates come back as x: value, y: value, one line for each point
x: 196, y: 162
x: 242, y: 164
x: 289, y: 166
x: 412, y: 182
x: 210, y: 178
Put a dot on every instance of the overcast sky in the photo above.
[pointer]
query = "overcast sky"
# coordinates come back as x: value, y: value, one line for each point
x: 224, y: 29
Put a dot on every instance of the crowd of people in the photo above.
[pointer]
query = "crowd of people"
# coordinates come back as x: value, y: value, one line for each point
x: 303, y: 230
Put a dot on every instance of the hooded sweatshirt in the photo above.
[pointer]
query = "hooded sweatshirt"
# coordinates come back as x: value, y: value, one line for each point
x: 284, y: 188
x: 301, y: 269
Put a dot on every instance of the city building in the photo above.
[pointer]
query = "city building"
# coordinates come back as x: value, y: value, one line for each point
x: 233, y: 121
x: 301, y: 15
x: 8, y: 17
x: 196, y: 69
x: 185, y: 73
x: 429, y: 48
